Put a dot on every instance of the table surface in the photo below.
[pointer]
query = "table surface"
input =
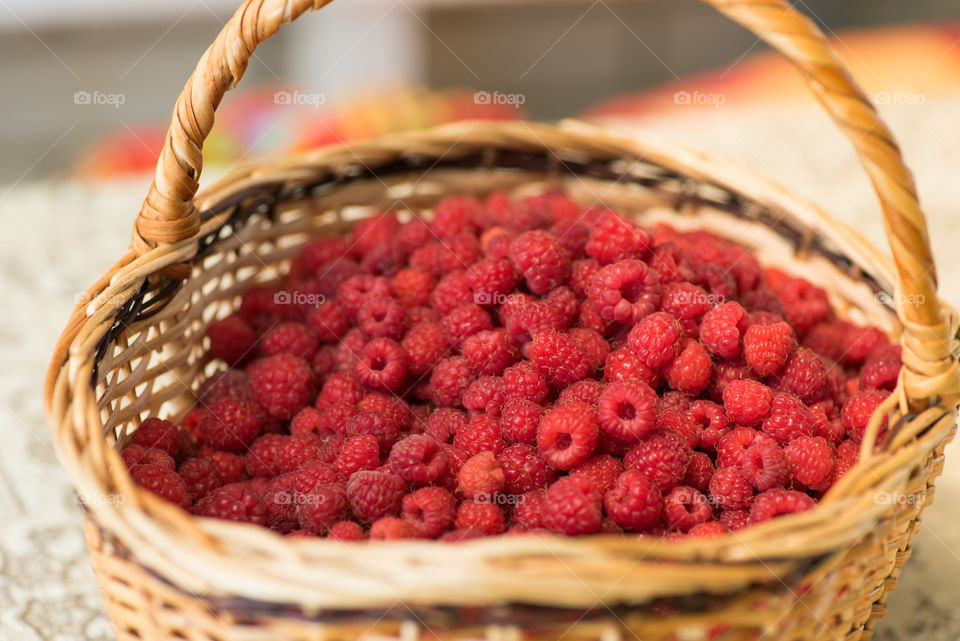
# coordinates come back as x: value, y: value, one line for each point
x: 59, y: 237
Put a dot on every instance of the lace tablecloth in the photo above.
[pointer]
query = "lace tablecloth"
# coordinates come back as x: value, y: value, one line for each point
x: 59, y: 237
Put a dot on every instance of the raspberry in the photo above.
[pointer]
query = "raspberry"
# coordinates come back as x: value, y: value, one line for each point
x: 672, y: 264
x: 453, y: 215
x: 390, y: 528
x: 724, y: 372
x: 581, y: 273
x: 201, y: 477
x: 685, y: 507
x: 491, y: 279
x: 625, y: 292
x: 231, y: 339
x: 586, y: 391
x: 481, y: 476
x: 687, y: 303
x: 810, y: 459
x: 323, y: 362
x: 382, y: 317
x: 451, y: 292
x: 722, y: 328
x: 622, y: 364
x: 690, y: 371
x: 262, y: 457
x: 229, y: 466
x: 735, y: 520
x: 656, y: 340
x: 330, y: 278
x: 707, y: 530
x: 291, y: 338
x: 231, y: 383
x: 418, y: 460
x: 482, y: 434
x: 530, y: 318
x: 766, y: 348
x: 565, y: 302
x: 482, y: 517
x: 308, y: 420
x: 450, y: 378
x: 529, y: 510
x: 730, y: 489
x: 614, y: 239
x: 330, y: 321
x: 489, y: 352
x: 776, y: 502
x: 857, y: 411
x: 572, y: 506
x: 880, y: 372
x: 717, y: 281
x: 260, y: 308
x: 627, y: 409
x: 540, y: 259
x: 602, y: 470
x: 747, y: 402
x: 356, y: 289
x: 412, y: 287
x: 281, y: 503
x: 382, y: 364
x: 559, y: 358
x: 789, y: 418
x: 804, y: 304
x: 524, y: 380
x: 340, y: 387
x: 804, y: 375
x: 485, y: 394
x: 519, y: 419
x: 699, y: 472
x: 681, y: 423
x: 572, y: 236
x: 663, y: 456
x: 282, y: 384
x: 230, y: 424
x: 158, y: 433
x: 346, y: 531
x: 826, y: 339
x: 465, y: 321
x: 357, y: 453
x: 673, y: 400
x: 733, y: 444
x: 430, y: 511
x: 633, y: 502
x: 425, y: 345
x: 443, y: 423
x: 380, y: 425
x: 162, y: 481
x: 396, y: 407
x: 593, y: 343
x: 316, y: 254
x: 373, y: 232
x: 861, y: 342
x: 373, y: 495
x: 234, y: 502
x: 713, y: 421
x: 567, y: 435
x: 523, y: 469
x: 348, y: 350
x: 765, y: 465
x: 311, y: 474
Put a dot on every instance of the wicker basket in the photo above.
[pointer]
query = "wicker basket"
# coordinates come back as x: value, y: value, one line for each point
x: 136, y: 348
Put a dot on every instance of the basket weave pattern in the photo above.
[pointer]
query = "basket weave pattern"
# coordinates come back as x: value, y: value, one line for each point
x: 136, y: 348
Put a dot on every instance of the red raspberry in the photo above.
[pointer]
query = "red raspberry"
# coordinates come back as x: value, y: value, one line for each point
x: 356, y: 289
x: 465, y: 321
x: 418, y: 460
x: 530, y: 318
x: 687, y: 303
x: 308, y: 420
x: 681, y: 423
x: 346, y: 531
x: 857, y: 411
x: 491, y: 279
x: 564, y: 301
x: 826, y: 339
x: 234, y: 502
x: 324, y: 362
x: 765, y: 465
x: 730, y: 489
x: 722, y: 328
x: 331, y: 277
x: 316, y: 254
x: 340, y: 387
x: 373, y: 232
x: 881, y: 372
x: 260, y: 308
x: 540, y: 259
x: 450, y: 378
x: 627, y: 409
x: 614, y: 239
x: 559, y: 358
x: 378, y: 424
x: 567, y: 435
x: 282, y: 384
x: 382, y: 317
x: 672, y: 264
x: 231, y: 339
x: 602, y: 470
x: 391, y: 528
x: 593, y: 343
x: 481, y: 476
x: 712, y: 421
x: 685, y: 507
x: 788, y: 419
x: 725, y: 371
x: 735, y: 520
x: 489, y: 352
x: 810, y: 459
x: 804, y: 375
x: 524, y: 380
x: 482, y: 434
x: 581, y: 273
x: 634, y: 501
x: 747, y: 402
x: 717, y: 281
x: 321, y: 507
x: 519, y: 419
x: 229, y: 466
x: 232, y: 383
x: 657, y: 339
x: 622, y: 364
x: 733, y: 444
x: 766, y: 348
x: 663, y: 456
x: 625, y: 291
x: 443, y: 423
x: 330, y: 321
x: 392, y: 405
x: 430, y: 511
x: 673, y: 400
x: 485, y: 394
x: 699, y: 472
x: 382, y: 364
x: 690, y: 371
x: 572, y: 506
x: 523, y: 469
x: 311, y: 474
x: 360, y: 452
x: 158, y: 433
x: 425, y: 345
x: 412, y: 287
x: 482, y: 517
x: 373, y: 495
x: 451, y: 292
x: 586, y: 391
x: 162, y: 481
x: 291, y: 338
x: 804, y: 304
x: 262, y: 456
x: 529, y: 510
x: 776, y: 502
x: 201, y: 477
x: 861, y: 342
x: 454, y: 215
x: 230, y: 424
x: 707, y: 530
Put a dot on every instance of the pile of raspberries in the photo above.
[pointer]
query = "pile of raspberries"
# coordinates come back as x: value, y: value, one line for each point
x: 519, y: 366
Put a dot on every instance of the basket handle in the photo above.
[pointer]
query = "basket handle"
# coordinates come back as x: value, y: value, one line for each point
x: 168, y: 214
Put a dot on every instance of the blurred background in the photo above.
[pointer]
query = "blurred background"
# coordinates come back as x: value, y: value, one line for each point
x: 88, y: 88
